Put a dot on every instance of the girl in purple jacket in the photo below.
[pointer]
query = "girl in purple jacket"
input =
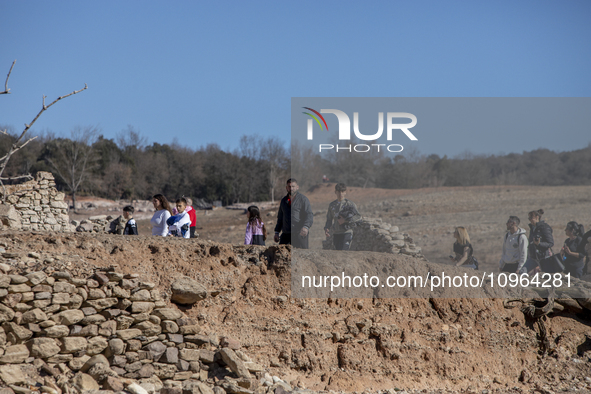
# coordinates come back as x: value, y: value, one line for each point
x: 255, y: 228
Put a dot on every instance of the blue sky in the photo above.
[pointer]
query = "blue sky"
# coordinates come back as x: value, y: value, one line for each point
x: 209, y: 72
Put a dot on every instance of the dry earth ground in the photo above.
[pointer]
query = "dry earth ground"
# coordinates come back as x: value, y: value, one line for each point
x: 360, y: 344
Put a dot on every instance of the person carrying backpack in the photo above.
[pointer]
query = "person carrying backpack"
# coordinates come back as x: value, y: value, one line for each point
x: 514, y: 248
x: 341, y: 217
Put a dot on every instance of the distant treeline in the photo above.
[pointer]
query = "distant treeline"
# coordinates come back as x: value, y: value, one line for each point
x: 412, y: 170
x: 126, y: 167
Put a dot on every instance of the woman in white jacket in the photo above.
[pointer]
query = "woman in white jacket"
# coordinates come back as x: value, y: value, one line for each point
x: 163, y: 212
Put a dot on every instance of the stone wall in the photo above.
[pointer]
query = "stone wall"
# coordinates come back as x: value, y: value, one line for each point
x: 35, y: 205
x: 373, y: 235
x: 65, y: 334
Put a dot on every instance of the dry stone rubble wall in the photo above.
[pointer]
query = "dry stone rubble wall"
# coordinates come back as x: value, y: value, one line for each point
x: 372, y: 235
x: 65, y: 334
x: 35, y: 205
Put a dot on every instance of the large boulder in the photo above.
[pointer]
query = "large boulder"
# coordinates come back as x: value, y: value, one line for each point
x: 234, y: 362
x: 187, y: 291
x: 9, y: 217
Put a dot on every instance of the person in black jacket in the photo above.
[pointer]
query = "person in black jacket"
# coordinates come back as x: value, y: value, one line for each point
x: 540, y: 236
x: 586, y: 246
x: 294, y: 217
x: 573, y: 251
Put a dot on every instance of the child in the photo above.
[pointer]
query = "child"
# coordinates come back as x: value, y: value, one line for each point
x: 256, y: 233
x: 130, y: 226
x: 192, y: 216
x: 178, y: 225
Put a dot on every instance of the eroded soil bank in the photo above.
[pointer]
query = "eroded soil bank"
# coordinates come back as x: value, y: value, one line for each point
x: 334, y: 344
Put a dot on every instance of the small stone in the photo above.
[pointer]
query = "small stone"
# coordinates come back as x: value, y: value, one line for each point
x: 60, y: 298
x: 96, y: 345
x: 84, y: 382
x: 176, y: 338
x: 156, y: 349
x: 207, y: 356
x: 33, y: 316
x: 133, y: 345
x: 97, y: 359
x: 142, y: 307
x: 6, y: 313
x: 102, y: 279
x: 12, y: 374
x: 89, y: 331
x: 128, y: 334
x: 101, y: 304
x: 20, y: 288
x: 190, y: 329
x: 111, y: 313
x: 112, y: 383
x: 117, y: 346
x: 146, y: 371
x: 230, y: 343
x: 10, y: 301
x: 93, y: 319
x: 43, y: 347
x: 15, y: 354
x: 135, y: 388
x: 68, y: 317
x: 108, y: 328
x: 170, y: 356
x: 78, y: 362
x: 88, y: 311
x: 64, y: 287
x: 18, y: 279
x: 73, y: 344
x: 96, y: 294
x: 35, y: 278
x: 169, y: 326
x: 62, y: 275
x: 141, y: 295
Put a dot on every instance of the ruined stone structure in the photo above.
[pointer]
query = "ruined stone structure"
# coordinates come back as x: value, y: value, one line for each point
x: 35, y: 205
x: 373, y: 235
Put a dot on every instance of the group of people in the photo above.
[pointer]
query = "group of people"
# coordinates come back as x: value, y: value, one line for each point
x: 523, y: 254
x: 295, y: 217
x: 178, y: 221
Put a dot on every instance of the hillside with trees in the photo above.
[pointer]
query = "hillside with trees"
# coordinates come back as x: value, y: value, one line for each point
x: 128, y: 167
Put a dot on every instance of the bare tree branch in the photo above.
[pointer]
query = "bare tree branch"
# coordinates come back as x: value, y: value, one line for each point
x: 12, y: 178
x: 16, y: 146
x: 6, y: 90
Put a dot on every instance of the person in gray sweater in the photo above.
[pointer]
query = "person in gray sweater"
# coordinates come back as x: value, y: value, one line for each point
x: 514, y: 248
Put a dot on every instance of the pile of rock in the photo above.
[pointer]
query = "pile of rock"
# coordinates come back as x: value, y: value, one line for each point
x: 34, y: 205
x: 112, y: 332
x: 97, y: 224
x: 373, y: 235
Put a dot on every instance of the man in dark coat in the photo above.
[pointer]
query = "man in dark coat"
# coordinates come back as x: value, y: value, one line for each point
x: 294, y: 217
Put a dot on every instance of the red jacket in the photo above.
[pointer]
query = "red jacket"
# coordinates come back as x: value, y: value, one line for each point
x: 192, y: 215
